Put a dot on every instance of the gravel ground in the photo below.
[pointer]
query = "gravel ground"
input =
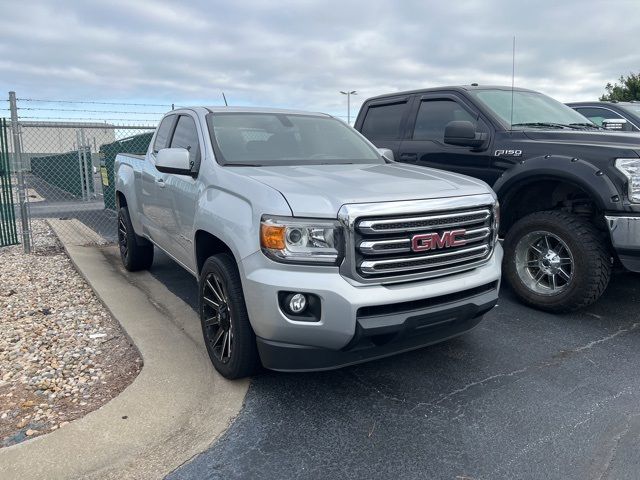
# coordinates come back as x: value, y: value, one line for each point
x: 61, y: 353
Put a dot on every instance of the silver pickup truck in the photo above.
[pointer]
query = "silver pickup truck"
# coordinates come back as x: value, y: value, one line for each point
x: 313, y: 249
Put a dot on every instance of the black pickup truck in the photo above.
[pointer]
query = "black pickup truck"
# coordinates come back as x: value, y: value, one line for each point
x: 570, y: 191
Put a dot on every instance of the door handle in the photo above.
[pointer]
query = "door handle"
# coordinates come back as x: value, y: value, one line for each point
x: 409, y: 157
x: 160, y: 182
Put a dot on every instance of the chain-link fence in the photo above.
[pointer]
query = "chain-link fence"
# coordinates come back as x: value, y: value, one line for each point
x: 61, y: 156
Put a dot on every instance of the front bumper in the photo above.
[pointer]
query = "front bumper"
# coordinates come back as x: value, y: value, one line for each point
x: 360, y: 322
x: 625, y: 237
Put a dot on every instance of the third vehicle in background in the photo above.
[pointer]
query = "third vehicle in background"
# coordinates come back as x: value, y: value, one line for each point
x: 570, y: 191
x: 621, y: 116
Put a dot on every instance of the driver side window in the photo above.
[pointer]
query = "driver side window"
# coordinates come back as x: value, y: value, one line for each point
x: 164, y: 132
x: 186, y: 136
x: 433, y: 117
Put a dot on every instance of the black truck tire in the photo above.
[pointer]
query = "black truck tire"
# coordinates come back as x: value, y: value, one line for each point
x: 556, y: 261
x: 136, y: 252
x: 228, y: 335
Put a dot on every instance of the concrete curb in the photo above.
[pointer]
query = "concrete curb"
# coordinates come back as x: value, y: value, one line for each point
x: 176, y: 407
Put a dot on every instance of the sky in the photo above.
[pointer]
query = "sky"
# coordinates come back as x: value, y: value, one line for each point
x: 301, y: 54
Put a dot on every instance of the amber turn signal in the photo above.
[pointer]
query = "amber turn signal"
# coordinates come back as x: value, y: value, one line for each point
x: 272, y: 236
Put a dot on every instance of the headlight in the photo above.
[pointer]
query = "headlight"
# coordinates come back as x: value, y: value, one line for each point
x: 630, y: 168
x: 301, y: 240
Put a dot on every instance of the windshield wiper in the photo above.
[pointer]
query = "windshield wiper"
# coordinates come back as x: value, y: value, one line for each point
x: 586, y: 125
x: 540, y: 125
x: 573, y: 126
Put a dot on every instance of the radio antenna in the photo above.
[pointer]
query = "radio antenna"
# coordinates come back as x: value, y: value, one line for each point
x: 225, y: 100
x: 513, y: 79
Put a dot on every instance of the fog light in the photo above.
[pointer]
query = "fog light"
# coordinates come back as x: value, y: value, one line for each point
x: 297, y: 303
x: 300, y: 307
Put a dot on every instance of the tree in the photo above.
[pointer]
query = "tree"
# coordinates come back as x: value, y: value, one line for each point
x: 627, y: 90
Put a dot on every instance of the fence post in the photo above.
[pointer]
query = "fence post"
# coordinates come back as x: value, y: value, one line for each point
x: 80, y: 163
x: 22, y: 190
x: 88, y: 170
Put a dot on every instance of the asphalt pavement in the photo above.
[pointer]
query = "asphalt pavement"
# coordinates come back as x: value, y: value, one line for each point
x: 526, y: 395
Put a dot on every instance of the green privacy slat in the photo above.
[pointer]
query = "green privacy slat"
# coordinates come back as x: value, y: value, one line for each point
x: 8, y: 230
x: 137, y: 144
x: 51, y: 168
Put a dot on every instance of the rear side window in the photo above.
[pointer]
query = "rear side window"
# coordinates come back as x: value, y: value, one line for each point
x: 164, y: 131
x: 383, y: 122
x: 433, y: 116
x: 186, y: 136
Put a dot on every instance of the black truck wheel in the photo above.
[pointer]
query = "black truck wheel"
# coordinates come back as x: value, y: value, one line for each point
x: 228, y: 335
x: 556, y: 261
x: 136, y: 252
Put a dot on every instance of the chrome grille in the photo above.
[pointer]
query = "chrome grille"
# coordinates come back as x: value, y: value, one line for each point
x: 383, y: 245
x: 412, y: 224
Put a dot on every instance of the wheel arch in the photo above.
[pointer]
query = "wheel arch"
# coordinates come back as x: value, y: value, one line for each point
x: 538, y: 184
x: 207, y: 244
x: 121, y: 199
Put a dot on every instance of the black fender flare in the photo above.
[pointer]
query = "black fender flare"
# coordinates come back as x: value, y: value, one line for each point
x: 571, y: 170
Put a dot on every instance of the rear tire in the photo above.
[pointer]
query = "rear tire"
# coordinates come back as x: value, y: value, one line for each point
x: 556, y: 261
x: 228, y: 335
x: 136, y: 252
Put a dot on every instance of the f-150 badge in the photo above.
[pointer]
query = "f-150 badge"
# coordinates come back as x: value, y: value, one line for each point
x: 508, y: 153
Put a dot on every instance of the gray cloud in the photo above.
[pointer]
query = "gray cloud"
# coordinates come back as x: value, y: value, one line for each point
x: 301, y: 53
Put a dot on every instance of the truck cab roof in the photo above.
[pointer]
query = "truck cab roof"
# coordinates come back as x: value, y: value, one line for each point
x: 454, y: 88
x: 224, y: 109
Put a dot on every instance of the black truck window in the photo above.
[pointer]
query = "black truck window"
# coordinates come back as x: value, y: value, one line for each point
x: 433, y: 116
x: 382, y: 122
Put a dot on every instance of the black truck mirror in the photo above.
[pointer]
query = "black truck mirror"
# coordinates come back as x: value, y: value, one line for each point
x: 463, y: 133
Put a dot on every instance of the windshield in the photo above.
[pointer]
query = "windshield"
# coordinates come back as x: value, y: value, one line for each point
x: 260, y: 139
x: 530, y: 109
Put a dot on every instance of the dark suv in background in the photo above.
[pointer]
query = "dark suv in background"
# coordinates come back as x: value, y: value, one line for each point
x: 570, y: 190
x: 621, y: 116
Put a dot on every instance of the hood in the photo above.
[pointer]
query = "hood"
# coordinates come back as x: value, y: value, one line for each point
x: 587, y: 137
x: 320, y: 190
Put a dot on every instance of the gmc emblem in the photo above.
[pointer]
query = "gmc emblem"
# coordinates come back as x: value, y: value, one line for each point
x: 432, y: 241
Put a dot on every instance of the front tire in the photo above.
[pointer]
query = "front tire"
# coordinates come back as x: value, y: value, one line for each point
x: 556, y: 261
x: 228, y: 336
x: 136, y: 252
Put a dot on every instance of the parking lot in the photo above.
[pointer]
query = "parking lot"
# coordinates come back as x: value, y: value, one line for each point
x: 524, y: 395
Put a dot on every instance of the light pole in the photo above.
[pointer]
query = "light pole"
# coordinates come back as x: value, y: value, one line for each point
x: 348, y: 94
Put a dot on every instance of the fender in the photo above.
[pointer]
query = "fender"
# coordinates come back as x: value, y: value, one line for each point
x: 235, y: 219
x: 232, y: 224
x: 578, y: 172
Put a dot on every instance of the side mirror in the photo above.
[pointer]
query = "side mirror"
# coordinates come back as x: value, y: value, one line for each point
x: 463, y: 133
x: 174, y: 160
x: 387, y: 154
x: 614, y: 124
